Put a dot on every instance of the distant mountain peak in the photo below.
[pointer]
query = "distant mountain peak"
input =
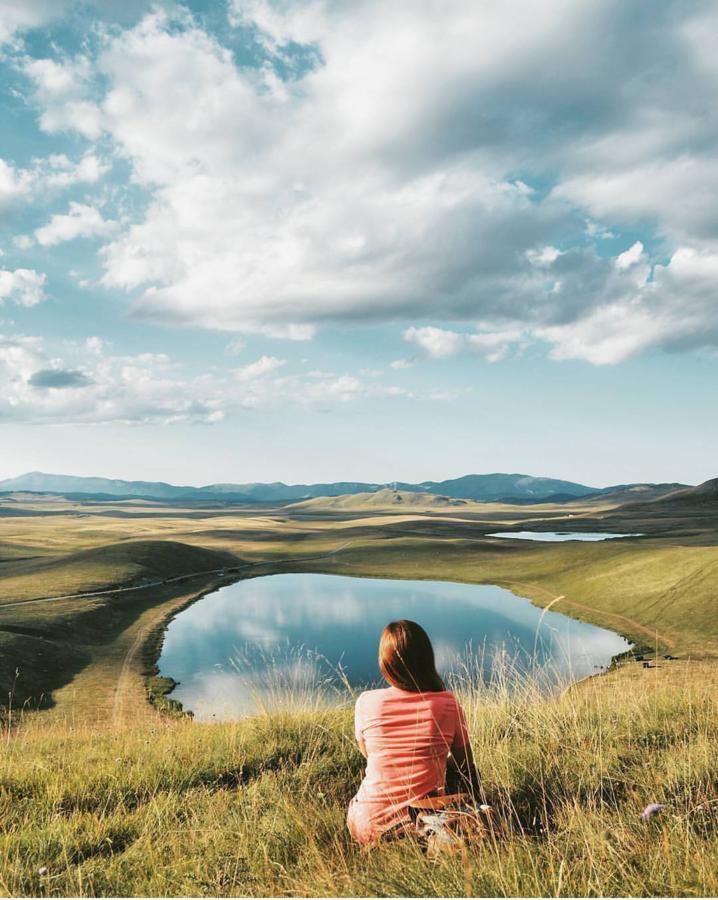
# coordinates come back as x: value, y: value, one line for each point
x: 494, y: 486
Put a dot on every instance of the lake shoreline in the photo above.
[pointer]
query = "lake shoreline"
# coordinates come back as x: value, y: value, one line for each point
x: 512, y: 623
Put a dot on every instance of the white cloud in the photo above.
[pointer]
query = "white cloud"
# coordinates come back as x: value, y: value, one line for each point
x: 630, y: 257
x: 543, y: 257
x: 436, y: 342
x: 95, y: 345
x: 673, y: 311
x: 360, y: 173
x: 90, y: 387
x: 345, y: 388
x: 19, y: 15
x: 440, y: 344
x: 54, y: 172
x: 263, y: 366
x: 62, y: 91
x: 494, y: 346
x: 13, y: 184
x: 257, y: 214
x: 401, y: 364
x: 24, y: 287
x: 86, y: 384
x: 234, y: 348
x: 82, y: 221
x: 59, y: 171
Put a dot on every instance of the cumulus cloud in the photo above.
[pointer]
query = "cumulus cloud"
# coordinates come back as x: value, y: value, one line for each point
x: 59, y: 171
x: 543, y: 256
x: 24, y: 287
x: 436, y: 342
x: 20, y: 15
x: 94, y: 345
x: 494, y: 345
x: 262, y: 366
x: 62, y: 91
x: 13, y: 184
x: 42, y: 387
x: 87, y: 384
x: 81, y: 221
x: 56, y: 171
x: 674, y: 310
x: 345, y: 388
x: 366, y: 170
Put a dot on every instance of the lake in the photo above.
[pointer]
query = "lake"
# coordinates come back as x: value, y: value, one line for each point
x: 239, y: 648
x: 561, y: 535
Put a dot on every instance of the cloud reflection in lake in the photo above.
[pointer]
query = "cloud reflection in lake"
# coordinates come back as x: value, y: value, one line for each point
x: 242, y: 646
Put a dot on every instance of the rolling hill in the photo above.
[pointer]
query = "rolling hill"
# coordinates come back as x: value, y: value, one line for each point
x: 383, y: 499
x: 703, y: 494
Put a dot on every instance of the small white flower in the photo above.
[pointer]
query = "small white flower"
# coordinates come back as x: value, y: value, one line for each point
x: 43, y: 870
x: 651, y: 810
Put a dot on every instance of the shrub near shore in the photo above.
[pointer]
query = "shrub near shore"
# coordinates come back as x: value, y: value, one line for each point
x: 257, y: 807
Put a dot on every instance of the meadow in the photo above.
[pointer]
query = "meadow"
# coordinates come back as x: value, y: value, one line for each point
x: 105, y: 795
x: 256, y: 808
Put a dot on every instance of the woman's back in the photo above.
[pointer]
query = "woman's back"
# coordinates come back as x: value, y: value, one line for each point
x: 407, y: 736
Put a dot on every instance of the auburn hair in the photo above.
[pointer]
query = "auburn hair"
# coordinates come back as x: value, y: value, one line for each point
x: 406, y: 658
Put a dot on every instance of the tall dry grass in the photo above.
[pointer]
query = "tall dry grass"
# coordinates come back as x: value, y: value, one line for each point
x: 257, y: 807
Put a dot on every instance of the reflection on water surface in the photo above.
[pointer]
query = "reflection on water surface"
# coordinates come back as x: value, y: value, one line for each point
x: 234, y: 649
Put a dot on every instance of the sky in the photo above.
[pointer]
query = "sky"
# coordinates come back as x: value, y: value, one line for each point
x: 319, y: 240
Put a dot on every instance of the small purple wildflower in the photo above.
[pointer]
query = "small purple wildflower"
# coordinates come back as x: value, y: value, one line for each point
x: 651, y: 810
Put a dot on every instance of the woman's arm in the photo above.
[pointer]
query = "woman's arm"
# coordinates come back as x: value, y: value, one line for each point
x: 467, y: 776
x: 462, y: 755
x: 358, y: 726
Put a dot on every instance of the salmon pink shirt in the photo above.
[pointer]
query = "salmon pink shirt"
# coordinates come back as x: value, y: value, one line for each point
x: 408, y: 737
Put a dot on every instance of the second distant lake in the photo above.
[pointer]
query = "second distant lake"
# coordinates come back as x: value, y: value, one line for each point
x: 236, y: 648
x: 561, y: 535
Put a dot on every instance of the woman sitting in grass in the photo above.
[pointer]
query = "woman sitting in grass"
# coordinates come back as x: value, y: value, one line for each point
x: 408, y: 733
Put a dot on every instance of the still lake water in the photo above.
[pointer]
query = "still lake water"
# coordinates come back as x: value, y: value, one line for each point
x: 236, y: 649
x: 561, y: 535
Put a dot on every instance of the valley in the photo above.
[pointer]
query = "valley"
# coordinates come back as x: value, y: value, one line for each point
x: 119, y: 568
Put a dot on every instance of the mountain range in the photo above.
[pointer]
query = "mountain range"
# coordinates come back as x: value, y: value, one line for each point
x: 497, y: 486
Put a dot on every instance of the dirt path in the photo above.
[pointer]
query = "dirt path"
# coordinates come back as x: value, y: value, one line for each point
x: 126, y: 679
x: 225, y: 570
x: 122, y: 590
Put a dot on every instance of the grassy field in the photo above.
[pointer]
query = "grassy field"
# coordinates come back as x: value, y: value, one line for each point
x: 114, y: 798
x: 658, y: 590
x: 256, y: 808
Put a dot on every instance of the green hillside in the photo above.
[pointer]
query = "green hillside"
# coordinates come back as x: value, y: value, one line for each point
x: 45, y: 645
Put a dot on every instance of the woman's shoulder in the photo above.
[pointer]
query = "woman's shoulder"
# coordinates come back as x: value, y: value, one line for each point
x: 444, y: 699
x: 376, y: 695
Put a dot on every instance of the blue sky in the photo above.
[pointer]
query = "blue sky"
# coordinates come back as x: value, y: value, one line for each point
x: 302, y: 241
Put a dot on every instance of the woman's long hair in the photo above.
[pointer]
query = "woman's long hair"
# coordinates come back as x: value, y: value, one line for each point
x: 406, y: 658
